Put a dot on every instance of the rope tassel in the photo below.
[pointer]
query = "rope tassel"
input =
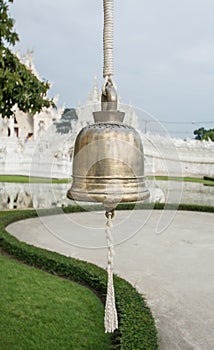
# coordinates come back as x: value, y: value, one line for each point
x: 111, y: 320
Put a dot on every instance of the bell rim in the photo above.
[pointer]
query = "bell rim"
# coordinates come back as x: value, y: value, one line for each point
x: 108, y: 197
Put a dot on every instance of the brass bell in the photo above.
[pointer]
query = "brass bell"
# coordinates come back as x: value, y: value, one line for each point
x: 108, y: 161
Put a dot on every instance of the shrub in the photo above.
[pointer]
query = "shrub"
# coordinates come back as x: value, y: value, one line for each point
x: 136, y: 324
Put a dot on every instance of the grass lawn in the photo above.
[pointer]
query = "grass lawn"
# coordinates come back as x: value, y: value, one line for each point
x: 42, y: 311
x: 26, y: 179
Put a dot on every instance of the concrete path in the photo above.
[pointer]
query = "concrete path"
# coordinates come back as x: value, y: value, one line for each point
x: 168, y: 256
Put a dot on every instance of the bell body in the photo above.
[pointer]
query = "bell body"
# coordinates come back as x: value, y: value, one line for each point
x: 108, y: 163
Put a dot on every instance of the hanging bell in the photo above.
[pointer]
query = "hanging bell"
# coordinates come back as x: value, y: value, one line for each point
x: 108, y: 161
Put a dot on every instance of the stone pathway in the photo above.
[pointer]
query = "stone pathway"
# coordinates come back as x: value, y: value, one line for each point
x: 167, y: 256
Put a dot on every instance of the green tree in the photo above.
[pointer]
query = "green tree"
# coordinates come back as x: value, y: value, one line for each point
x: 203, y: 134
x: 18, y: 85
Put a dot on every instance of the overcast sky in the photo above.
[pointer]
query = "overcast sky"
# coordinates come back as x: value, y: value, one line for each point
x: 163, y: 56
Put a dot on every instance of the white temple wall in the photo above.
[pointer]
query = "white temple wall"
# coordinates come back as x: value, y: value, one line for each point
x: 174, y: 157
x: 25, y: 122
x: 16, y: 157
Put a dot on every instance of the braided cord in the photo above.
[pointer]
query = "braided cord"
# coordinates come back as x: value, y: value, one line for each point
x: 111, y: 320
x: 108, y: 31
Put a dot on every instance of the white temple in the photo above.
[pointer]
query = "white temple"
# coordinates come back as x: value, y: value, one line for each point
x: 30, y: 145
x: 23, y: 125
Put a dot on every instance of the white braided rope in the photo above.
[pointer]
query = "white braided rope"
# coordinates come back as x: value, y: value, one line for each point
x: 110, y: 321
x: 108, y: 33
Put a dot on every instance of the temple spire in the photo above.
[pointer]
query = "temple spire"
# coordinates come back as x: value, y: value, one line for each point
x: 94, y: 96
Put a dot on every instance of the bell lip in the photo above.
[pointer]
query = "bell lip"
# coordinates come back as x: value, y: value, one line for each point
x: 115, y: 197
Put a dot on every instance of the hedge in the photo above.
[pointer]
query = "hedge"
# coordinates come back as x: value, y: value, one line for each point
x: 168, y: 206
x: 209, y: 178
x: 136, y: 330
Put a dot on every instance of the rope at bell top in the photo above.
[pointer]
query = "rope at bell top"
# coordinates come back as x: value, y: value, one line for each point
x: 108, y: 32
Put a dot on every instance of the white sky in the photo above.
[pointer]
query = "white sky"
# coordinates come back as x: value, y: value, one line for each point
x: 164, y: 54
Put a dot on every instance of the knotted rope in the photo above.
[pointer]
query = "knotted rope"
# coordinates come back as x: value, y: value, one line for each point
x: 108, y: 33
x: 110, y: 321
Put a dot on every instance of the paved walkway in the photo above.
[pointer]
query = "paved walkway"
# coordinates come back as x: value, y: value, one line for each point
x: 170, y: 259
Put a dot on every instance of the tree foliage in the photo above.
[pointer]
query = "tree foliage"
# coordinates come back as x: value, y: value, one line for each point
x: 203, y: 134
x: 18, y: 85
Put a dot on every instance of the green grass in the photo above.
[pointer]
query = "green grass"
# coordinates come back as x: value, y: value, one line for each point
x: 31, y: 307
x: 27, y: 179
x: 42, y: 311
x: 136, y: 324
x: 185, y: 179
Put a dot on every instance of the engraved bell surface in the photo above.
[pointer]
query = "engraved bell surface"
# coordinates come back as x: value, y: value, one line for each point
x: 108, y: 162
